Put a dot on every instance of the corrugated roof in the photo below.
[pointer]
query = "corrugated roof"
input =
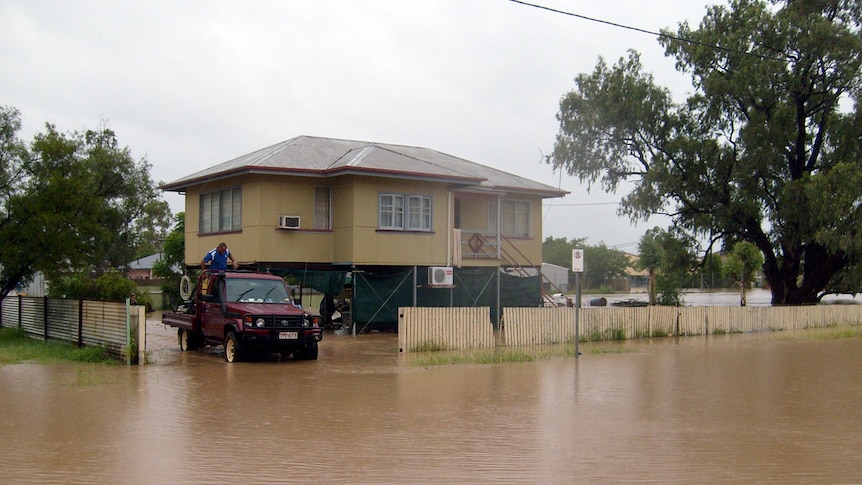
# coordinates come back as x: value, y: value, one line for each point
x: 146, y: 262
x: 327, y: 157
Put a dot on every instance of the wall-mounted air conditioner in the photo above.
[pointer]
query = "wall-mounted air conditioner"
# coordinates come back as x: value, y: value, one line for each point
x: 288, y: 222
x: 440, y: 276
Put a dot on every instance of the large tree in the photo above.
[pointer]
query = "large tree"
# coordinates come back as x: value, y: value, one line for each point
x: 76, y: 201
x: 767, y: 148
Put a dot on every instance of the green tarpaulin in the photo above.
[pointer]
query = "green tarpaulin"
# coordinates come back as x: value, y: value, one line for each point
x: 377, y: 295
x: 329, y: 282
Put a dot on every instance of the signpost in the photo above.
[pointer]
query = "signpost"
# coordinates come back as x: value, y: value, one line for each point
x: 577, y: 268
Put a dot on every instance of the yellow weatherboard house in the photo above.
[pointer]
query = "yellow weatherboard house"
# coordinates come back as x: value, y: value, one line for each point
x: 351, y: 213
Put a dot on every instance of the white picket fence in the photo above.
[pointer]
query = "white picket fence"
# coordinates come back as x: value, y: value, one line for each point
x: 466, y: 328
x: 438, y: 328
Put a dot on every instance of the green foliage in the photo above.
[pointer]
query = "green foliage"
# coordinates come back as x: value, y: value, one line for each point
x: 72, y: 201
x: 172, y: 262
x: 559, y: 250
x: 742, y: 264
x: 477, y: 357
x: 669, y: 260
x: 601, y: 262
x: 111, y: 286
x: 766, y: 149
x: 711, y: 273
x: 428, y: 346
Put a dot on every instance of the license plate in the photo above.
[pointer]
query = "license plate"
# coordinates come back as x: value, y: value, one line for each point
x: 288, y: 335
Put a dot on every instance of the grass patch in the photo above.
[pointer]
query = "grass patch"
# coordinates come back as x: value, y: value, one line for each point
x: 474, y: 357
x: 16, y: 347
x: 505, y: 355
x: 608, y: 349
x: 428, y: 346
x: 831, y: 332
x: 616, y: 333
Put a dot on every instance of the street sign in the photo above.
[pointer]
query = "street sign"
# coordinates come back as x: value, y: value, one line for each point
x: 578, y: 260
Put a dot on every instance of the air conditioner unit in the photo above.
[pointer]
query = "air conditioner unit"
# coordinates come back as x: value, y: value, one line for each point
x: 288, y: 222
x: 440, y: 276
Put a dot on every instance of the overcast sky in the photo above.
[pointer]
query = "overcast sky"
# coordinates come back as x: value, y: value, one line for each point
x: 189, y: 84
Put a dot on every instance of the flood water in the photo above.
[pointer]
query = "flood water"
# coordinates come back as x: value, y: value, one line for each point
x: 770, y: 408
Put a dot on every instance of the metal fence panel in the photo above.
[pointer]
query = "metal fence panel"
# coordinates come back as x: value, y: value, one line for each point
x: 9, y: 312
x: 104, y: 323
x: 63, y: 319
x: 33, y: 316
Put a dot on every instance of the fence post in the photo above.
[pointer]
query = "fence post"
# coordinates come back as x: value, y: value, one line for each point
x: 80, y: 323
x: 129, y: 337
x: 142, y: 334
x: 45, y: 315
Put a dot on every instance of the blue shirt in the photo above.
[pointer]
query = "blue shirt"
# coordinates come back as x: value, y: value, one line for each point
x: 219, y: 261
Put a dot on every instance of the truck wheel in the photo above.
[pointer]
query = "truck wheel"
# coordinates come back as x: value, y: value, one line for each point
x: 309, y: 352
x: 232, y: 351
x: 183, y: 337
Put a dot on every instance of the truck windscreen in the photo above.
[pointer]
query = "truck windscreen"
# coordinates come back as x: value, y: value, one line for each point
x: 256, y: 291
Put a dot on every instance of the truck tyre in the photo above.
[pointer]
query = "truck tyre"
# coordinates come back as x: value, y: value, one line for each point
x: 183, y: 337
x: 309, y: 352
x: 232, y: 351
x: 189, y: 340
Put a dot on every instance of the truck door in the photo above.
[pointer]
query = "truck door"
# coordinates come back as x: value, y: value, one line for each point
x: 212, y: 316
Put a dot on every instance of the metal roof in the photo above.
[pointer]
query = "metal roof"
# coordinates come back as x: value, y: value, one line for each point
x: 329, y: 157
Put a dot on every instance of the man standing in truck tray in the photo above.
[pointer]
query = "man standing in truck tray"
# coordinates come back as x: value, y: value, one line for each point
x: 218, y: 258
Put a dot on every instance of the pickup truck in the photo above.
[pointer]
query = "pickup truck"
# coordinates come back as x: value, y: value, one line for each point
x: 249, y: 312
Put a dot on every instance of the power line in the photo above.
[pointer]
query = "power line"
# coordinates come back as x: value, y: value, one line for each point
x: 644, y: 31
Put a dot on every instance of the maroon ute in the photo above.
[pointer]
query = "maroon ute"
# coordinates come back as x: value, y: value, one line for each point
x: 250, y: 313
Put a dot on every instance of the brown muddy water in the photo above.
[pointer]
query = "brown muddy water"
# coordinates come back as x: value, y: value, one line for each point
x: 769, y: 408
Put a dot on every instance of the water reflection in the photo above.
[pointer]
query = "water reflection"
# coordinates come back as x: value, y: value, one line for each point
x: 734, y: 408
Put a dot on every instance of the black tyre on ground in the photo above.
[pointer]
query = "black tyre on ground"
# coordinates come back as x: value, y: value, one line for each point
x: 309, y: 352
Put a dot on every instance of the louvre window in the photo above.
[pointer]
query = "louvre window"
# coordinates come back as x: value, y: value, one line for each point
x: 221, y: 211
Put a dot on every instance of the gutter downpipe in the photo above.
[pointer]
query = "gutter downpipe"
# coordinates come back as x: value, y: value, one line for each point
x: 449, y: 229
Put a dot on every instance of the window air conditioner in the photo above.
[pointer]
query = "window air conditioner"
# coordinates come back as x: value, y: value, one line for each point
x: 440, y: 276
x: 288, y: 222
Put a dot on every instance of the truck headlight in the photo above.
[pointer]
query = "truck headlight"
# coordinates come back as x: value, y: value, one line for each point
x: 260, y: 322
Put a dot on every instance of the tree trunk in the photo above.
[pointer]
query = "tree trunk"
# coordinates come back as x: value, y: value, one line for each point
x: 791, y: 285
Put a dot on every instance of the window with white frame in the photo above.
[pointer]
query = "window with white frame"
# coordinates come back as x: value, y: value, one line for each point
x: 418, y: 213
x: 400, y: 212
x: 221, y: 211
x: 515, y: 218
x: 323, y: 208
